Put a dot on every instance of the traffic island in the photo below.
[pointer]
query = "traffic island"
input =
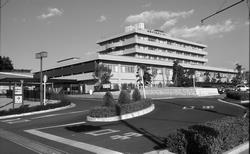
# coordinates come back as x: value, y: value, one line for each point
x: 123, y: 108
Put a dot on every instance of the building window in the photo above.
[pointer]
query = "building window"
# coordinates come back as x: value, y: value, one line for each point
x: 127, y: 69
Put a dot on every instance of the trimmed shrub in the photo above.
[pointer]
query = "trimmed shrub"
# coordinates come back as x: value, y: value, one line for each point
x: 124, y: 97
x: 123, y: 109
x: 108, y: 99
x: 136, y: 95
x: 176, y: 142
x: 238, y: 95
x: 211, y: 137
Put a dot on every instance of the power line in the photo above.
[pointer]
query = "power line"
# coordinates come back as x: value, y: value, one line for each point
x: 222, y: 10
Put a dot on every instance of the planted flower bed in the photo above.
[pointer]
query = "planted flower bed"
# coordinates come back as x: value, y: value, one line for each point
x: 123, y: 106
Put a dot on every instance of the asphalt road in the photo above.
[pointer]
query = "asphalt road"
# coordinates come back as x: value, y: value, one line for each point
x: 67, y: 131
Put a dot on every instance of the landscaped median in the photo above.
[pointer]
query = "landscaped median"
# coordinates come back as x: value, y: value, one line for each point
x: 104, y: 114
x: 124, y: 108
x: 27, y: 110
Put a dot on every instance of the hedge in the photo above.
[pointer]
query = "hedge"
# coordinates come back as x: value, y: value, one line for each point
x: 238, y: 95
x: 209, y: 138
x: 25, y: 108
x: 119, y: 109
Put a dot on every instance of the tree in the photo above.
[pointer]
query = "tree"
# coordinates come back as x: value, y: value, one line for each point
x: 218, y: 77
x: 238, y: 79
x: 188, y: 80
x: 147, y: 77
x: 178, y: 74
x: 207, y: 76
x: 102, y: 74
x: 5, y: 64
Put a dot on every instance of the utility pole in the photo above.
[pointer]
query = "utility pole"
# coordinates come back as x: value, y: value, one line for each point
x: 40, y: 56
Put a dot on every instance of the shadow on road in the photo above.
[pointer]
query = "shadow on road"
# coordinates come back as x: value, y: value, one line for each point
x: 155, y: 139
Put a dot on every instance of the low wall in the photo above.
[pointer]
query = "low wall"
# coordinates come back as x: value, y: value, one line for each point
x: 165, y: 92
x: 181, y: 91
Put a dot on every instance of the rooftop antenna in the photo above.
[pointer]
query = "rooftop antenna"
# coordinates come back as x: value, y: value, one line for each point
x: 202, y: 20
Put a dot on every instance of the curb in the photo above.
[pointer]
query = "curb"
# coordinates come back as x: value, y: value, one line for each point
x: 122, y: 117
x: 232, y: 104
x: 37, y: 112
x: 238, y: 149
x: 159, y: 152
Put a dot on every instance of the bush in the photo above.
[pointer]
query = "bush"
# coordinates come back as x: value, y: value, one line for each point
x: 26, y: 109
x: 212, y: 137
x: 108, y: 99
x: 238, y: 95
x: 136, y: 96
x: 124, y: 97
x: 119, y: 109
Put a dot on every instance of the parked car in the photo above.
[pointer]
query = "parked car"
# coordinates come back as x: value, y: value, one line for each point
x: 242, y: 87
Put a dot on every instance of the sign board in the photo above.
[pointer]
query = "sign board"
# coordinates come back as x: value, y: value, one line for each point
x: 42, y: 54
x: 18, y: 99
x: 18, y: 94
x: 18, y: 90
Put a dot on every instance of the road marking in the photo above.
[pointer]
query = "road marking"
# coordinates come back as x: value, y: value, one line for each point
x: 29, y: 144
x: 125, y: 136
x: 58, y: 114
x: 16, y: 120
x: 77, y: 144
x: 10, y: 120
x: 102, y: 132
x: 70, y: 124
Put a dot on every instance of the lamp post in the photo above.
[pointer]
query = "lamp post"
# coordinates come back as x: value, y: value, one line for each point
x: 40, y: 56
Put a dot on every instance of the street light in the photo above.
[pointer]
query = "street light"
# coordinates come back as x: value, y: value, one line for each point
x: 40, y: 56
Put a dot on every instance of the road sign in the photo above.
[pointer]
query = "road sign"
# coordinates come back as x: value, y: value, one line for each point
x: 18, y: 94
x: 18, y: 99
x: 18, y: 90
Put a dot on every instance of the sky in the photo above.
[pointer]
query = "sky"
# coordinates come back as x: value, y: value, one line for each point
x: 71, y: 28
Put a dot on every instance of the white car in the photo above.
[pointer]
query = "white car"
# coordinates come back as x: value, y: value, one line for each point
x: 242, y: 87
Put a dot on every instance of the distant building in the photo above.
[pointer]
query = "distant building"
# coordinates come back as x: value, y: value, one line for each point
x: 123, y: 52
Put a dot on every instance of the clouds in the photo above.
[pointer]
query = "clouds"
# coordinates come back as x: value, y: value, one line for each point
x: 102, y: 18
x: 148, y: 17
x: 167, y: 21
x: 201, y: 31
x: 51, y: 12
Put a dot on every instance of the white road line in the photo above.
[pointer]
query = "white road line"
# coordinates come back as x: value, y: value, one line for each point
x: 11, y: 120
x: 77, y: 144
x: 18, y: 121
x: 102, y: 132
x: 77, y: 123
x: 58, y: 114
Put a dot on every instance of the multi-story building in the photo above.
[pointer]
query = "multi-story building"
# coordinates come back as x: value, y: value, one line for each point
x: 122, y: 53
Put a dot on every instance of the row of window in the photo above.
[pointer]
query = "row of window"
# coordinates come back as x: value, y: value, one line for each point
x: 144, y: 47
x: 146, y: 56
x: 169, y: 42
x: 124, y: 68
